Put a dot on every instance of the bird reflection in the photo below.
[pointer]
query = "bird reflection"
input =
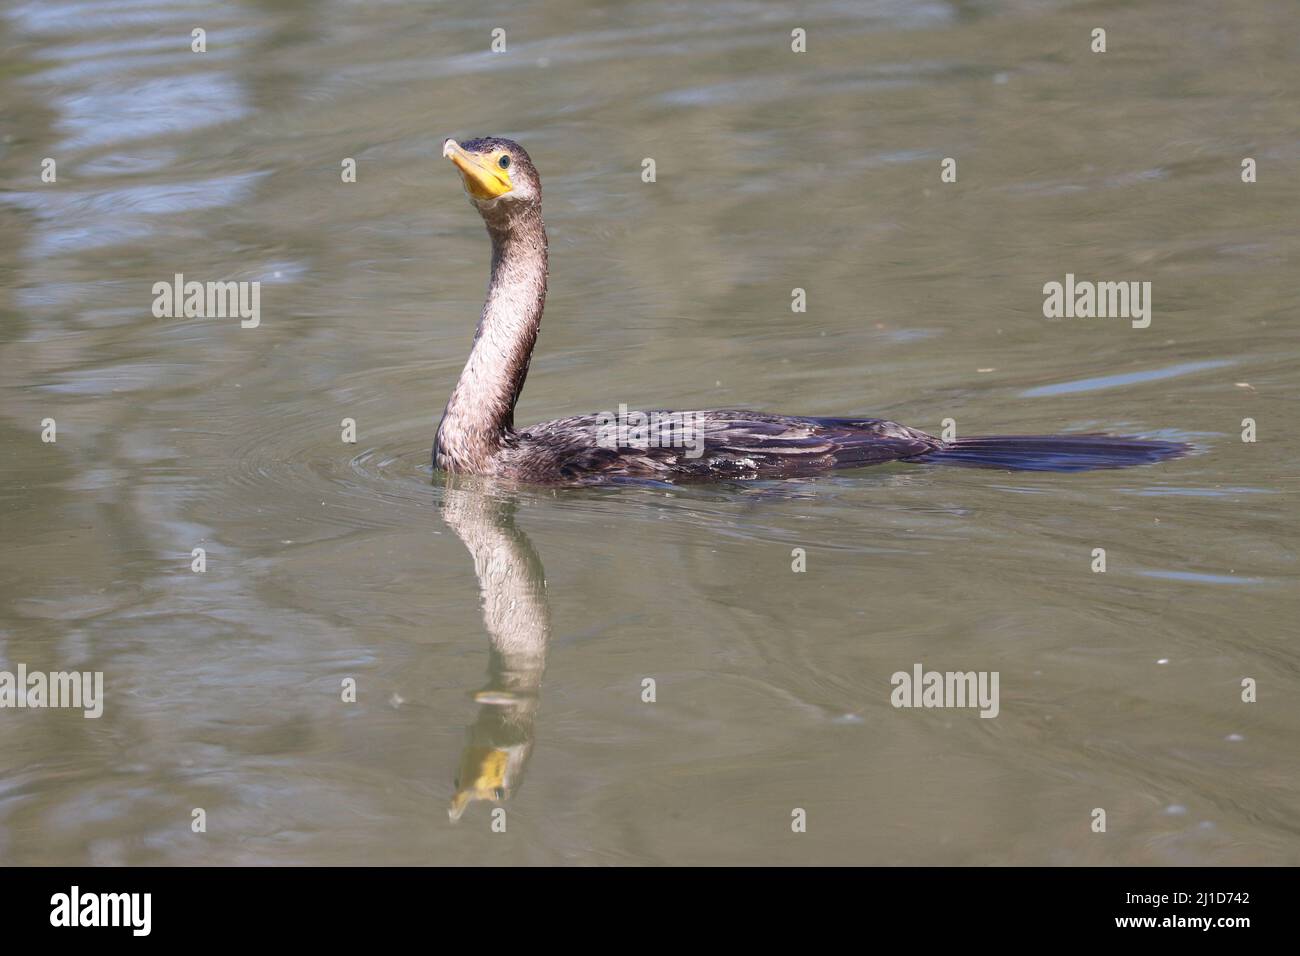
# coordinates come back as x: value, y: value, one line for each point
x: 512, y: 586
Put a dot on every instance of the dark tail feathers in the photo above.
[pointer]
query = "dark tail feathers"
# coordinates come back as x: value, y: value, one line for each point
x: 1054, y: 452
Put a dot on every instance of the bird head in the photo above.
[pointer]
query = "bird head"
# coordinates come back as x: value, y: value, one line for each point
x: 495, y: 171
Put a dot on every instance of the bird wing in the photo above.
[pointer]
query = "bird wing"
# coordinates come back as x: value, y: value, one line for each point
x: 710, y: 444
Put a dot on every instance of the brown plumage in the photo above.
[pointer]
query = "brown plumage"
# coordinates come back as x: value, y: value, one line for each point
x: 477, y: 433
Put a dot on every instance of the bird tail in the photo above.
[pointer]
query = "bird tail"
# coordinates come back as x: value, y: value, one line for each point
x: 1054, y: 452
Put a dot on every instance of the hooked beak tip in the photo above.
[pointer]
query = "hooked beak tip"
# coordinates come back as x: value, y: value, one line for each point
x: 449, y: 147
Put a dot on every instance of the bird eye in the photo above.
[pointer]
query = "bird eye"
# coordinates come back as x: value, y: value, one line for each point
x: 504, y: 162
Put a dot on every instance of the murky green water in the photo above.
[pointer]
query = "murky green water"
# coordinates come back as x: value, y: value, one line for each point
x: 508, y: 634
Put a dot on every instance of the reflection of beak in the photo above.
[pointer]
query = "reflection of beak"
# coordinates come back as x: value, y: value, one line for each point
x: 483, y: 179
x: 487, y: 769
x: 458, y: 804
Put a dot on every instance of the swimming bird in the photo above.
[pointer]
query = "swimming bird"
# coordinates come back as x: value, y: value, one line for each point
x: 477, y: 434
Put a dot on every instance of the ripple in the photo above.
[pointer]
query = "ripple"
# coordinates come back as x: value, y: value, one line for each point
x: 171, y: 105
x: 299, y: 458
x: 94, y: 218
x: 1125, y: 378
x: 1163, y: 491
x: 1200, y: 577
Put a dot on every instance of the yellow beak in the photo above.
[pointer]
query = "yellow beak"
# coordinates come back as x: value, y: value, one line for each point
x: 483, y: 178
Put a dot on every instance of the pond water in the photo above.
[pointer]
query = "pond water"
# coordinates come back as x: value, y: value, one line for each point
x: 500, y: 640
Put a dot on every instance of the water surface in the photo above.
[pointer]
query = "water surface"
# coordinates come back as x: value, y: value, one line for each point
x: 502, y: 637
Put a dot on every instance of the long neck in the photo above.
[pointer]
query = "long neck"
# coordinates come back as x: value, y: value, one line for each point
x: 480, y: 412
